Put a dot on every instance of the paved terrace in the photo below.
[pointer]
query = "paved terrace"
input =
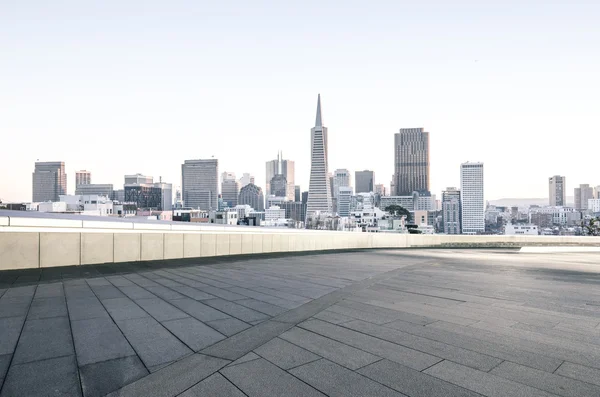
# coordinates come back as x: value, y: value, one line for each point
x: 378, y: 323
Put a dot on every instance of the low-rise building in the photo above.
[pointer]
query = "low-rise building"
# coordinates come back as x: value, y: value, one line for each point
x: 521, y: 229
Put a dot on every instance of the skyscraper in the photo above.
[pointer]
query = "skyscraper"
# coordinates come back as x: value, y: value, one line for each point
x: 411, y: 161
x: 341, y: 178
x: 582, y: 194
x: 283, y: 167
x: 451, y: 211
x: 364, y: 181
x: 49, y: 180
x: 200, y: 183
x: 319, y: 191
x: 83, y: 178
x: 558, y: 190
x: 230, y: 189
x: 471, y: 197
x: 252, y: 195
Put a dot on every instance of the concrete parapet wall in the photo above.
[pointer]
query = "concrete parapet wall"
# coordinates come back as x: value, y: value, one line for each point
x: 28, y: 247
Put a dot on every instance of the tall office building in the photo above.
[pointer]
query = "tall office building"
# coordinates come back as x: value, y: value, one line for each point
x: 49, y: 180
x: 341, y: 178
x: 297, y: 193
x: 471, y: 198
x: 364, y: 181
x: 343, y: 200
x: 558, y: 190
x: 82, y: 178
x: 230, y: 189
x: 582, y: 194
x: 200, y: 183
x: 451, y: 211
x: 281, y: 167
x: 166, y: 195
x: 319, y: 191
x: 411, y: 161
x: 246, y: 179
x: 252, y: 195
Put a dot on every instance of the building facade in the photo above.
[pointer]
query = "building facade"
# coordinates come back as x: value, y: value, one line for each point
x: 451, y: 211
x: 343, y: 200
x: 49, y: 181
x: 319, y: 190
x: 411, y: 161
x: 341, y: 178
x: 82, y: 178
x: 364, y: 181
x: 138, y: 179
x: 557, y: 190
x: 252, y: 195
x: 286, y: 168
x: 230, y: 189
x: 471, y: 198
x: 200, y: 183
x: 582, y: 194
x: 100, y: 189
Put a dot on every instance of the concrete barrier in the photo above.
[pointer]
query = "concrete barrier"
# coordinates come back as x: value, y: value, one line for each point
x: 90, y: 242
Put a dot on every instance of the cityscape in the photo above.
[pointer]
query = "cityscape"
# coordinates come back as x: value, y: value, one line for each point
x: 333, y: 201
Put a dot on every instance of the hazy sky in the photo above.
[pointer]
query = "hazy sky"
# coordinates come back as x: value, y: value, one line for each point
x: 120, y: 87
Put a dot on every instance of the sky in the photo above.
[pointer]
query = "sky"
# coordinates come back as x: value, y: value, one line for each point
x: 139, y: 86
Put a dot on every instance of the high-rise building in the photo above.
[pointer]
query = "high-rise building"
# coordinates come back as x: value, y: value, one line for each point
x: 246, y: 179
x: 341, y: 177
x: 230, y: 189
x: 200, y: 183
x: 558, y: 190
x: 297, y: 194
x: 281, y: 167
x: 451, y: 212
x: 582, y: 194
x: 364, y: 181
x: 471, y: 198
x: 166, y: 195
x: 252, y: 195
x: 49, y: 180
x: 305, y: 197
x: 279, y: 186
x: 82, y: 178
x: 380, y: 189
x: 319, y: 191
x: 411, y: 161
x: 343, y: 200
x: 138, y: 179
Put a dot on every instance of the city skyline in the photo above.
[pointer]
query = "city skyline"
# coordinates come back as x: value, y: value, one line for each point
x: 481, y: 79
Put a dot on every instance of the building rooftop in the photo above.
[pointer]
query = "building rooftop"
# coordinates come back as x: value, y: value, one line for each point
x: 364, y: 323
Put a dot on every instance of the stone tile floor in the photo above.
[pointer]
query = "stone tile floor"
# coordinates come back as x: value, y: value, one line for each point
x: 367, y: 323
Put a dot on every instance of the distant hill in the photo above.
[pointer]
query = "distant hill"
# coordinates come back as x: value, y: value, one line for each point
x: 524, y: 202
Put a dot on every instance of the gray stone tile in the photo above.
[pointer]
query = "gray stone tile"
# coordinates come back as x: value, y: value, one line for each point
x: 164, y: 292
x: 263, y: 307
x: 332, y: 317
x: 107, y: 292
x: 4, y: 362
x: 214, y: 385
x: 152, y: 342
x: 79, y: 291
x: 104, y: 377
x: 53, y: 377
x: 160, y: 309
x: 193, y: 333
x: 42, y: 339
x: 248, y: 357
x: 174, y: 379
x: 237, y: 311
x: 335, y: 351
x: 411, y: 382
x: 198, y: 310
x: 243, y: 342
x: 97, y: 282
x: 412, y: 358
x: 284, y: 354
x: 27, y: 291
x: 136, y: 292
x: 482, y: 382
x: 222, y: 293
x: 580, y: 372
x: 193, y: 293
x: 282, y: 294
x: 228, y: 326
x: 99, y: 339
x: 119, y: 281
x: 10, y: 330
x: 551, y: 383
x: 141, y: 281
x: 274, y: 300
x: 382, y: 312
x: 334, y: 380
x: 52, y: 290
x: 459, y: 355
x: 261, y: 378
x: 15, y: 306
x: 47, y: 307
x: 123, y: 309
x: 81, y: 309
